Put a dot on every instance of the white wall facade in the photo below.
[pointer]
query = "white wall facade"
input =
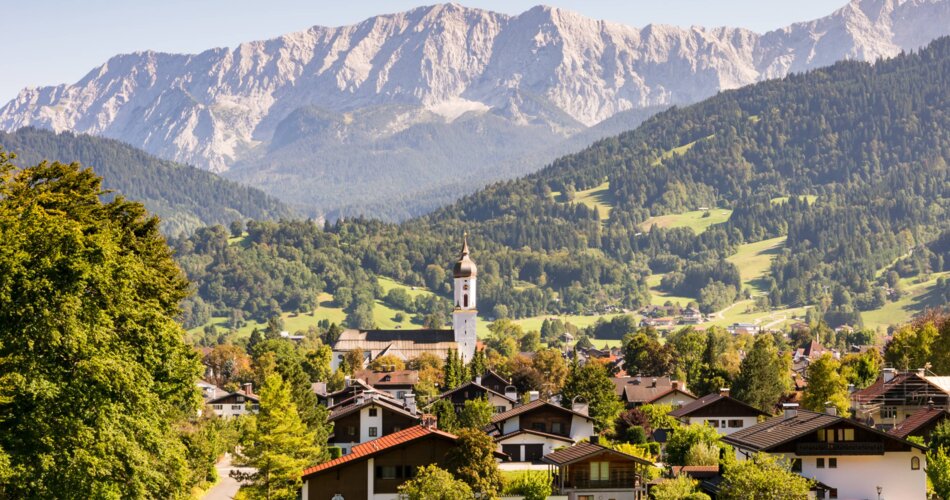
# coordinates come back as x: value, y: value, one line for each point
x: 550, y: 444
x: 225, y: 410
x: 857, y: 477
x: 722, y: 424
x: 581, y: 428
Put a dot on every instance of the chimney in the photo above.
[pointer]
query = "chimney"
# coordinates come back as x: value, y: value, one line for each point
x: 595, y: 439
x: 533, y: 395
x: 511, y: 392
x: 580, y: 405
x: 636, y: 381
x: 930, y: 404
x: 921, y: 372
x: 409, y: 399
x: 676, y: 385
x: 248, y: 388
x: 654, y: 382
x: 831, y: 409
x: 478, y: 380
x: 429, y: 421
x: 724, y: 392
x: 791, y: 410
x: 889, y: 374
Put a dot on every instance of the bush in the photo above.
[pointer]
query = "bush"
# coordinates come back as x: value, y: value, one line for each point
x: 532, y: 485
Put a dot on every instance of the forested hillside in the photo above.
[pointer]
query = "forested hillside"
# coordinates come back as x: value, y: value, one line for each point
x: 849, y: 163
x: 184, y: 197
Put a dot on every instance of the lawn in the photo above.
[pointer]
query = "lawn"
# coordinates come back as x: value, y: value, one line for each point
x: 659, y: 297
x: 679, y: 151
x: 534, y: 322
x: 693, y: 220
x: 599, y: 198
x: 917, y: 297
x: 754, y: 260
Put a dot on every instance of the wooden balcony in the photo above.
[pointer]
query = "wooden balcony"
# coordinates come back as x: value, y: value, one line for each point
x: 840, y: 448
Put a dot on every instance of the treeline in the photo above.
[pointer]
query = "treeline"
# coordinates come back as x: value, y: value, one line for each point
x: 184, y: 197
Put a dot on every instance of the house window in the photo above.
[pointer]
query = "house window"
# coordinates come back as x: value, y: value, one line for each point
x: 465, y: 300
x: 218, y: 407
x: 538, y: 426
x: 713, y: 423
x: 373, y: 412
x: 797, y: 465
x: 599, y: 471
x: 237, y: 407
x: 388, y: 471
x: 351, y: 430
x: 240, y: 399
x: 832, y: 463
x: 914, y: 463
x: 556, y: 427
x: 735, y: 424
x: 255, y: 407
x: 889, y: 412
x: 396, y: 428
x: 499, y: 409
x: 400, y: 394
x: 372, y: 432
x: 820, y: 463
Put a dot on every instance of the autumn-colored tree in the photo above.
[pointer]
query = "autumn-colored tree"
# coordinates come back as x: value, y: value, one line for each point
x: 826, y: 386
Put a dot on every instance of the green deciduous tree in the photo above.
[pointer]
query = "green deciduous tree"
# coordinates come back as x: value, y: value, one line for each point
x: 685, y: 437
x: 278, y: 444
x: 682, y: 487
x: 591, y: 382
x: 473, y: 462
x: 938, y: 471
x: 476, y: 413
x: 762, y: 477
x: 763, y: 375
x: 826, y: 386
x: 93, y: 369
x: 433, y: 483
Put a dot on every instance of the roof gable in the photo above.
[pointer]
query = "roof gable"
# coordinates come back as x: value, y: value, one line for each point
x: 717, y: 405
x: 584, y: 450
x: 530, y: 407
x: 370, y: 448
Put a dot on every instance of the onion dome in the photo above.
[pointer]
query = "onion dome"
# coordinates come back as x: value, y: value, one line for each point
x: 464, y: 267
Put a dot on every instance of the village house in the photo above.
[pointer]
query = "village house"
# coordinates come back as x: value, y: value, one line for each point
x: 588, y: 471
x: 494, y: 381
x: 743, y: 329
x: 374, y: 470
x: 368, y: 416
x: 638, y: 391
x: 921, y: 424
x: 397, y: 383
x: 896, y: 396
x: 850, y: 459
x: 235, y: 404
x: 409, y: 344
x: 528, y: 432
x: 475, y: 390
x: 719, y: 411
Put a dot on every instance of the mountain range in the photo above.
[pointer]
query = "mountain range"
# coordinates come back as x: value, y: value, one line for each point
x: 402, y: 113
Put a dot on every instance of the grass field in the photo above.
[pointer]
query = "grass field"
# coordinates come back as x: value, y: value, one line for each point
x: 917, y: 297
x: 659, y: 297
x: 598, y: 198
x: 693, y: 220
x: 678, y: 151
x: 754, y: 260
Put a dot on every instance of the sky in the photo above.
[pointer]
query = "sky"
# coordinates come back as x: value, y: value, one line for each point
x: 48, y: 42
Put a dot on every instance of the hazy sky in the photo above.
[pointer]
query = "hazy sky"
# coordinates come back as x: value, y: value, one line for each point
x: 47, y: 42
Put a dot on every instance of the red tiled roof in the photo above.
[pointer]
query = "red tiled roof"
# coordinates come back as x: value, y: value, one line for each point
x: 375, y: 446
x: 917, y: 420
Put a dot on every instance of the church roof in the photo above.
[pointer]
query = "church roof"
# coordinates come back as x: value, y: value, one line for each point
x: 464, y: 267
x: 406, y: 344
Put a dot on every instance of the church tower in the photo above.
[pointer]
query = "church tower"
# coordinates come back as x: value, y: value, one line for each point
x: 463, y: 318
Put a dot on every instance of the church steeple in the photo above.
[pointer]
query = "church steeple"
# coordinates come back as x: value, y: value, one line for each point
x: 464, y: 267
x: 466, y: 307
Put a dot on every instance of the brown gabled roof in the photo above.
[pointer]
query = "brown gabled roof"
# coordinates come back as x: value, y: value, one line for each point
x: 397, y: 377
x: 342, y: 411
x: 711, y: 400
x: 375, y: 446
x: 917, y: 420
x: 641, y: 389
x: 533, y: 433
x: 477, y: 386
x: 250, y: 396
x: 780, y: 430
x: 580, y: 451
x: 538, y: 403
